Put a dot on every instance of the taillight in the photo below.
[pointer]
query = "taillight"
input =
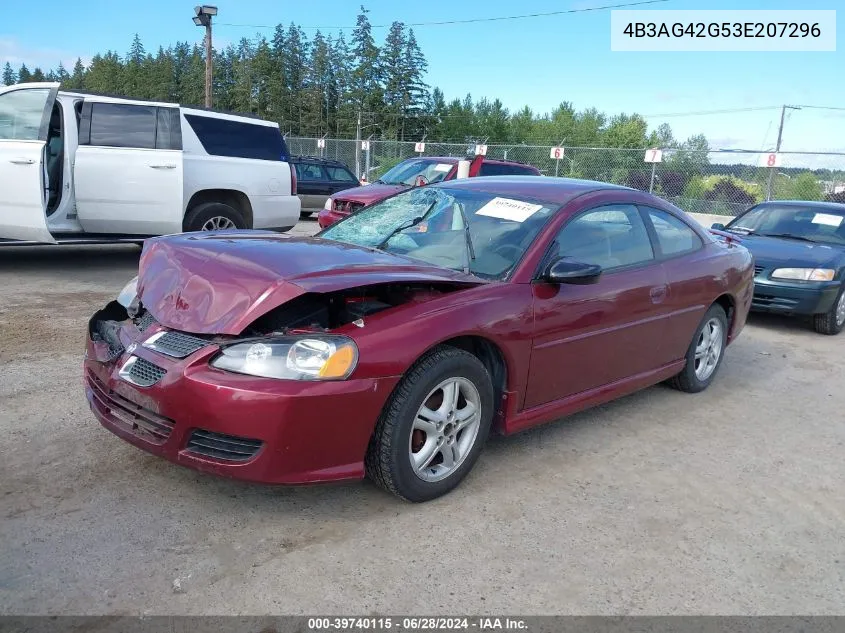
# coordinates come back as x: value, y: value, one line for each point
x: 292, y: 179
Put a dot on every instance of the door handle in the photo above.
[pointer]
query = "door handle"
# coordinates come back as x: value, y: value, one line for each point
x: 658, y: 293
x: 163, y: 166
x: 21, y: 161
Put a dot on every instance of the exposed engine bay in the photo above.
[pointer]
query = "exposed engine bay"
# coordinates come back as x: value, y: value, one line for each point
x: 310, y: 312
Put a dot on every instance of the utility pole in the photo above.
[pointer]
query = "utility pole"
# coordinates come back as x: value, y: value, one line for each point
x: 777, y: 148
x: 358, y: 147
x: 203, y: 17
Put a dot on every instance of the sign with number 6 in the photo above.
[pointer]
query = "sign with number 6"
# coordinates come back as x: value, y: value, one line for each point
x: 770, y: 160
x: 654, y: 156
x: 556, y: 153
x: 419, y: 147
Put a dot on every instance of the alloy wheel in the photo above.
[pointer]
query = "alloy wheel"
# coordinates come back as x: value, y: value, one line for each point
x: 708, y: 350
x: 445, y: 429
x: 217, y: 223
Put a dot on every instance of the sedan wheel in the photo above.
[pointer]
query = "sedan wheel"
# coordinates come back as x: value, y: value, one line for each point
x: 705, y: 352
x: 445, y: 429
x: 832, y: 321
x: 433, y: 427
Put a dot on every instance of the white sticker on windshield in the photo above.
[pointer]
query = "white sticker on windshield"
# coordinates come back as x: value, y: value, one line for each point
x: 507, y: 209
x: 827, y: 218
x: 442, y: 167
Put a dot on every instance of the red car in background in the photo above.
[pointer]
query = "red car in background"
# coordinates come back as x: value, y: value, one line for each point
x: 413, y: 173
x: 376, y: 349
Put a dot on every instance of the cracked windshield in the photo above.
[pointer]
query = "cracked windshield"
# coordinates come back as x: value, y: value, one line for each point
x: 429, y: 224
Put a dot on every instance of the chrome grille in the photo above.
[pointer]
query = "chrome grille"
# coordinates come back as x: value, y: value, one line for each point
x: 145, y: 321
x: 221, y: 446
x: 175, y: 344
x: 141, y: 372
x: 758, y: 270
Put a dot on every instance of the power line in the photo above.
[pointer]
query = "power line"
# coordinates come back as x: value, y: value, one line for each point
x: 707, y: 112
x: 468, y: 21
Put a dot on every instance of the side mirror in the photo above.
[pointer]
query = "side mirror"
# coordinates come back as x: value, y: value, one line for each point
x: 565, y: 271
x: 718, y: 226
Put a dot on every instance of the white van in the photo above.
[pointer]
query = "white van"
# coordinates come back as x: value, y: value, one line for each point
x: 78, y: 167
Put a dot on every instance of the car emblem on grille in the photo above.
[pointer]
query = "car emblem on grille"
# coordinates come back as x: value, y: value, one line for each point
x: 132, y: 347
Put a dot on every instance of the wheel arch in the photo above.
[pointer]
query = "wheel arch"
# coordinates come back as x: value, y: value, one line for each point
x: 728, y: 304
x: 235, y: 198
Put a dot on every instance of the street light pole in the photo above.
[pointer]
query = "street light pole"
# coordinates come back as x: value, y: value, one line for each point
x: 203, y: 17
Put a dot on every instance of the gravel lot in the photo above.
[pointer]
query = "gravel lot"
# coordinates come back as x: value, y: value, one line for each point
x: 728, y: 502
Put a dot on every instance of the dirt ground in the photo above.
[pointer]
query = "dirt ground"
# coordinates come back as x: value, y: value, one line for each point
x: 727, y: 502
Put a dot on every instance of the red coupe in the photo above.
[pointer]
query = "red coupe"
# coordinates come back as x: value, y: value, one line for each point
x: 395, y: 341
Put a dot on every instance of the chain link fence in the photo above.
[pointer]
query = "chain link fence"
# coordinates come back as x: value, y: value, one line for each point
x: 723, y: 182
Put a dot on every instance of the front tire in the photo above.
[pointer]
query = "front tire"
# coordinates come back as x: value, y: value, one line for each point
x: 832, y: 321
x: 213, y: 216
x: 433, y: 427
x: 705, y: 353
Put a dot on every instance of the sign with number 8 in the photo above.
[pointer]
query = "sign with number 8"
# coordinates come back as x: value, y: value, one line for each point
x: 770, y: 160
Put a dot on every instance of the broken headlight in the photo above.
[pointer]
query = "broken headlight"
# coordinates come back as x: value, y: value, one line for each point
x: 291, y: 358
x: 129, y: 292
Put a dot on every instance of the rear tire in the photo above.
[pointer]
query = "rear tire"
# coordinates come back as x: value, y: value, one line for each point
x: 705, y: 352
x: 433, y: 427
x: 832, y: 321
x: 211, y: 216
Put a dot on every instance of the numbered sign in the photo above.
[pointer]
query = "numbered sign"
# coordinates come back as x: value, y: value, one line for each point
x: 365, y: 145
x: 654, y: 156
x: 419, y: 147
x: 556, y: 153
x: 770, y: 160
x: 481, y: 150
x: 321, y: 143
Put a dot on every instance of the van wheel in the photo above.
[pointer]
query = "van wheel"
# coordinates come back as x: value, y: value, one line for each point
x: 213, y: 216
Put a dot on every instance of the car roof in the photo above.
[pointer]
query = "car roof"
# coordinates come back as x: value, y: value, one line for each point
x: 815, y: 204
x: 454, y: 159
x: 317, y: 159
x: 550, y: 189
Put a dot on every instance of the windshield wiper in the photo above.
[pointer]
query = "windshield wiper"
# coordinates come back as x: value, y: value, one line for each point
x: 406, y: 225
x: 470, y: 251
x: 789, y: 236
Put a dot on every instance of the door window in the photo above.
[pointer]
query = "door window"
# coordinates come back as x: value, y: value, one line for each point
x: 308, y: 172
x: 673, y: 235
x: 339, y: 173
x: 21, y: 113
x: 123, y: 125
x: 611, y: 237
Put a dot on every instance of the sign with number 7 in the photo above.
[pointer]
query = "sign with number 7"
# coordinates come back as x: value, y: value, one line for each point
x: 654, y: 156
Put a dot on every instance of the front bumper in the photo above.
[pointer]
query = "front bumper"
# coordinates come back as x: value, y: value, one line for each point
x: 281, y: 432
x: 328, y: 217
x: 799, y: 298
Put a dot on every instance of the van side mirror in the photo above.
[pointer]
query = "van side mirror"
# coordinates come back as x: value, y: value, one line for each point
x: 566, y: 271
x: 718, y: 226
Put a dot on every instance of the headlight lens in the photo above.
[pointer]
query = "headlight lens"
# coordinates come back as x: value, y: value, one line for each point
x: 128, y: 294
x: 292, y: 358
x: 328, y: 205
x: 804, y: 274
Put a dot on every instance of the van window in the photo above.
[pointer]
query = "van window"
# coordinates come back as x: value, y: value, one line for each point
x: 21, y: 112
x: 123, y: 125
x: 238, y: 139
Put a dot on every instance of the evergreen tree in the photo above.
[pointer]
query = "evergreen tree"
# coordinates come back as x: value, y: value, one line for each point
x: 24, y: 75
x: 415, y: 91
x: 77, y: 79
x: 135, y: 83
x: 366, y: 75
x: 38, y: 75
x: 61, y: 74
x: 9, y: 75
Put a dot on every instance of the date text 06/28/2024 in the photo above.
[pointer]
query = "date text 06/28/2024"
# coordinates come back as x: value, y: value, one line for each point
x: 723, y: 30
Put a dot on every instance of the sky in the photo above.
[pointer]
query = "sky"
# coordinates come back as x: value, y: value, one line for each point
x: 537, y: 62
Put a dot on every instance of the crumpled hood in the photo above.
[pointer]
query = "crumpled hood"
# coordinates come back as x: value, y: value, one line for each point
x: 220, y: 283
x: 786, y: 253
x: 369, y: 194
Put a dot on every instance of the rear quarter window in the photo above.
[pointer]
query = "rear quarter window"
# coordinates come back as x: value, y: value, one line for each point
x: 238, y: 139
